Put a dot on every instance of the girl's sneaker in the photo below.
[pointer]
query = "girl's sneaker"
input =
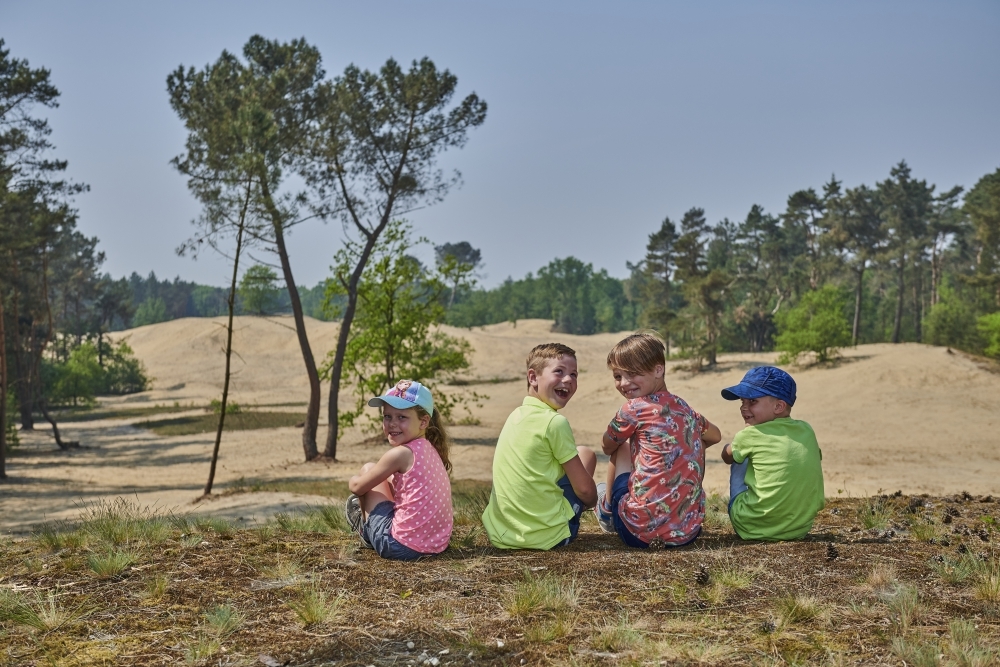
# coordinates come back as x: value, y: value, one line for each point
x: 604, y: 519
x: 352, y: 510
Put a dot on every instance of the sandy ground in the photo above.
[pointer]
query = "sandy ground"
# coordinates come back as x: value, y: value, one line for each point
x: 908, y: 417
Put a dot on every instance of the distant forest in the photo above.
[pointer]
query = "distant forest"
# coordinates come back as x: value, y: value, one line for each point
x: 151, y: 300
x: 901, y: 261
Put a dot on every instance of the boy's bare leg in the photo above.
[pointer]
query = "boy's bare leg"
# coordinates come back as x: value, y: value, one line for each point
x: 379, y: 493
x: 623, y: 460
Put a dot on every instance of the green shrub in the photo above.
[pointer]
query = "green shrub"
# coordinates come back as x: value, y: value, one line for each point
x: 818, y: 324
x: 952, y: 322
x: 989, y: 328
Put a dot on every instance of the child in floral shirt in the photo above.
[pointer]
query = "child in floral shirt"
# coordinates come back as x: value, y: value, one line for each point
x: 657, y: 447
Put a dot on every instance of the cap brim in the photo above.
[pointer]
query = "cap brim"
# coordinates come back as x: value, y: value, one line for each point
x: 392, y: 401
x: 742, y: 390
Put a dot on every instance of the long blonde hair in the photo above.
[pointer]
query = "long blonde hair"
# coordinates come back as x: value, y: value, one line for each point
x: 436, y: 435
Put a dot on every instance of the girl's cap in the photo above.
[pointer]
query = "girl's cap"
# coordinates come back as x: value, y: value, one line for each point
x: 405, y: 395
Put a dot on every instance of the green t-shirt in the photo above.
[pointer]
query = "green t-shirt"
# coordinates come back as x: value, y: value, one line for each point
x: 527, y: 509
x: 785, y: 477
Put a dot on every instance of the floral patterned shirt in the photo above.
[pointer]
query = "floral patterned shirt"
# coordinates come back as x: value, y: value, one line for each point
x: 665, y: 498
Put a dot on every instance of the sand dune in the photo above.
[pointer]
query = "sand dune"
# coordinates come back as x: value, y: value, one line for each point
x: 909, y: 417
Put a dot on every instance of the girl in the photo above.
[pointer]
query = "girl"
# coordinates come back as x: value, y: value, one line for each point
x: 401, y: 506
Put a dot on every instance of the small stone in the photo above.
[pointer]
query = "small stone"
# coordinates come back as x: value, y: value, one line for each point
x: 523, y: 661
x: 409, y: 646
x: 499, y: 643
x: 444, y: 652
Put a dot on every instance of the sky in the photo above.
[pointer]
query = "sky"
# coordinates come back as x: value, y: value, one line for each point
x: 603, y: 117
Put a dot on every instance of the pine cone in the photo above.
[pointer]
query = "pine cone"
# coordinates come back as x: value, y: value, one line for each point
x: 768, y: 626
x: 946, y: 519
x: 831, y: 551
x: 702, y: 576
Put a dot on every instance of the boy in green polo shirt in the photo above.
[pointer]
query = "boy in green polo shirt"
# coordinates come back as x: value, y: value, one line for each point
x: 542, y: 482
x: 776, y: 478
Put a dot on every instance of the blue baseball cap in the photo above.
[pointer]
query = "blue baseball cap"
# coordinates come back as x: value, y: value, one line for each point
x: 405, y: 395
x: 763, y: 381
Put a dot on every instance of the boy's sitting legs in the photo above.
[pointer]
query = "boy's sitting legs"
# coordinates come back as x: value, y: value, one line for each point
x: 622, y: 459
x: 737, y: 480
x: 589, y: 461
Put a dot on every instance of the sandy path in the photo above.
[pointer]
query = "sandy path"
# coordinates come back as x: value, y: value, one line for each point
x: 907, y: 417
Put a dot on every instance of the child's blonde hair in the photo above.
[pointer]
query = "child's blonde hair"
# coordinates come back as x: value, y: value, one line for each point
x: 436, y: 435
x: 640, y: 352
x: 540, y: 355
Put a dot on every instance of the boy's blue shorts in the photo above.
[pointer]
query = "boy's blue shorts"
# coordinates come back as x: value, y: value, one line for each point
x: 378, y: 531
x: 576, y: 504
x: 619, y: 491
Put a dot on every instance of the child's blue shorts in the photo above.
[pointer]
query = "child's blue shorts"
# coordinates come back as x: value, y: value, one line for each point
x: 619, y: 491
x: 576, y: 504
x: 378, y: 531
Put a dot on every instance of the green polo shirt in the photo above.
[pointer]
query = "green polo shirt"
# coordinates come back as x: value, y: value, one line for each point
x: 527, y: 509
x: 785, y: 477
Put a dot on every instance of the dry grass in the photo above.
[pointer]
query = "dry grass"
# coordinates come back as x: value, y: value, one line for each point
x: 301, y: 591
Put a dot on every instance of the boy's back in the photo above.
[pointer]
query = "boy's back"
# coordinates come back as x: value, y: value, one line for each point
x: 527, y: 509
x: 785, y: 480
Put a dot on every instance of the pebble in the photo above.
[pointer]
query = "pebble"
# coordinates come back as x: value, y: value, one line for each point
x: 409, y: 646
x: 499, y: 643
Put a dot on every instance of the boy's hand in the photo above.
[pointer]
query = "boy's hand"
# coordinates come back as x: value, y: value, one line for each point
x: 608, y: 445
x: 727, y: 453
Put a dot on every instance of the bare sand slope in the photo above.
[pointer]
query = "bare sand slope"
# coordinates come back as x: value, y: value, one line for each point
x: 908, y: 417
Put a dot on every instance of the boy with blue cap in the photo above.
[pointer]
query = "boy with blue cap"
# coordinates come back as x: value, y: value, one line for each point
x: 776, y: 479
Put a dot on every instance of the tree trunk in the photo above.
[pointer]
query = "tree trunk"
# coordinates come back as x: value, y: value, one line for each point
x: 900, y: 288
x: 935, y: 273
x: 3, y: 393
x: 312, y: 412
x: 918, y: 305
x: 857, y: 304
x: 22, y: 379
x: 345, y: 328
x: 229, y: 347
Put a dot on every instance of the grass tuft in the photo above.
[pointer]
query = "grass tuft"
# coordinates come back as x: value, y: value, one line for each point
x: 546, y: 594
x: 43, y: 613
x: 314, y: 606
x: 875, y: 512
x: 203, y: 648
x: 618, y: 636
x: 121, y: 522
x: 904, y: 606
x: 224, y: 620
x: 111, y: 562
x: 953, y: 570
x: 882, y: 576
x: 916, y: 653
x: 793, y: 609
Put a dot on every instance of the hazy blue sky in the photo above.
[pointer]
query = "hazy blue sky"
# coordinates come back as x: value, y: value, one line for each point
x: 603, y: 117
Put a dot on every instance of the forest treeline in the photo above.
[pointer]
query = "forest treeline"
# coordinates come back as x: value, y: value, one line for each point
x: 897, y: 261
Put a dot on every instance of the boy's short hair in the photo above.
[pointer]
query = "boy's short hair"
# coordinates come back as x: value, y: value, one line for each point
x: 540, y: 354
x: 640, y: 352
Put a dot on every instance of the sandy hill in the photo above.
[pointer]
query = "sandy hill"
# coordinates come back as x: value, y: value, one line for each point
x: 887, y: 416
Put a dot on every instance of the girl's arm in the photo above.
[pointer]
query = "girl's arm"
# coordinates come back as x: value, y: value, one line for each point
x: 397, y: 459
